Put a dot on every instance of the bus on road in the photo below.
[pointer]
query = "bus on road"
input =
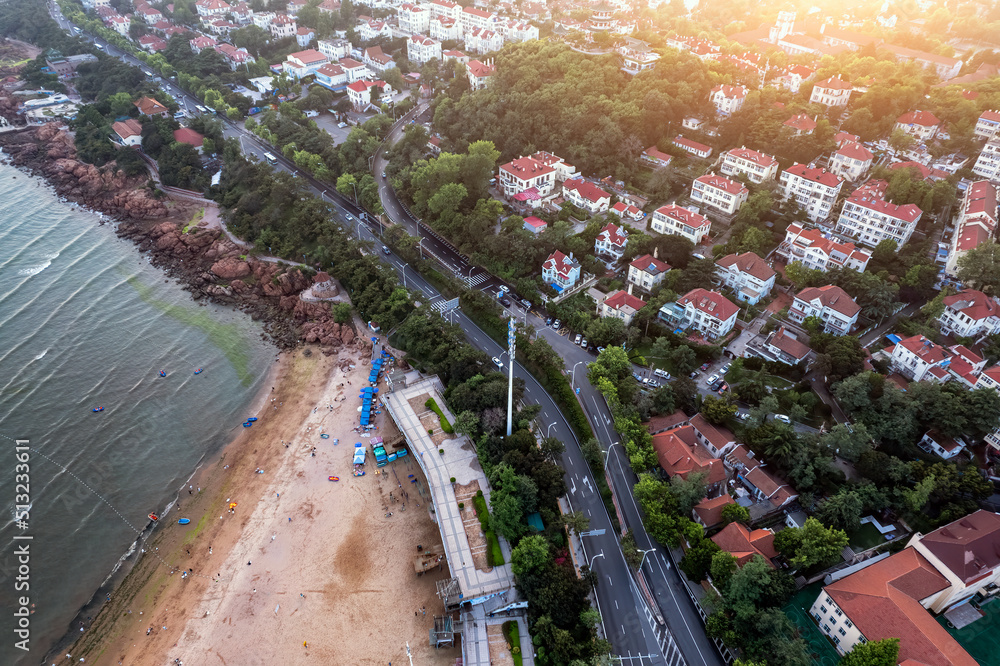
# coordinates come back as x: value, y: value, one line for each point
x: 271, y: 159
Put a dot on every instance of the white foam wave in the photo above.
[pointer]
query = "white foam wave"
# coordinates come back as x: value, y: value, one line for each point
x: 34, y: 270
x: 42, y: 355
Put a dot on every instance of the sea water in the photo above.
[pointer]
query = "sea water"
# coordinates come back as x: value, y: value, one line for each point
x: 86, y: 322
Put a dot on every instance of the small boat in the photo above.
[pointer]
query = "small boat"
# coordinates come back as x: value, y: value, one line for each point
x: 323, y: 435
x: 163, y: 373
x: 198, y: 371
x: 247, y: 424
x: 252, y: 419
x: 97, y: 409
x: 183, y: 521
x: 152, y: 516
x: 334, y: 478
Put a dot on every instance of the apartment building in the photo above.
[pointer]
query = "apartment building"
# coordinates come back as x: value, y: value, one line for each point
x: 334, y: 49
x: 413, y: 18
x: 673, y: 219
x: 647, y: 272
x: 870, y: 219
x: 282, y: 26
x: 758, y: 167
x: 987, y: 125
x: 747, y: 275
x: 815, y: 190
x: 831, y: 304
x: 851, y: 161
x: 719, y: 192
x: 304, y: 63
x: 976, y: 223
x: 831, y: 92
x: 988, y: 163
x: 474, y: 17
x: 813, y: 249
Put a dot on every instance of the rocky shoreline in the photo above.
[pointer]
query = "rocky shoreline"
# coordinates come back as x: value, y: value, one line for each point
x: 205, y: 261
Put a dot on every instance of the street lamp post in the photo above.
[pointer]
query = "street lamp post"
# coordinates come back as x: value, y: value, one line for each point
x: 470, y: 276
x: 644, y: 553
x: 549, y: 429
x: 370, y: 158
x: 572, y: 382
x: 600, y: 554
x: 403, y: 270
x: 607, y: 456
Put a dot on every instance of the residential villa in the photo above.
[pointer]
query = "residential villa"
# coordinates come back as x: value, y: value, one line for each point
x: 678, y: 221
x: 758, y: 167
x: 851, y: 161
x: 719, y: 192
x: 621, y: 304
x: 611, y: 242
x: 831, y: 92
x: 831, y: 304
x: 584, y: 194
x: 813, y: 249
x: 560, y: 272
x: 747, y: 275
x: 647, y: 272
x: 707, y: 312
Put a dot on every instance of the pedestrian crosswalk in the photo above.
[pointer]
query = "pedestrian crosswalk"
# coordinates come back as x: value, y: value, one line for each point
x: 444, y: 305
x: 478, y: 279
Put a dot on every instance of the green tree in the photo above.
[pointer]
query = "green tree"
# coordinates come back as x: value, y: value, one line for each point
x: 810, y: 545
x: 848, y: 443
x: 873, y: 653
x: 979, y: 268
x: 697, y: 561
x: 841, y: 511
x: 717, y: 411
x: 688, y: 491
x: 530, y: 556
x: 576, y: 521
x: 734, y: 513
x: 684, y: 360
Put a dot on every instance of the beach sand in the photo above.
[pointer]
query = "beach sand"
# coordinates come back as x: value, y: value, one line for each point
x: 335, y: 584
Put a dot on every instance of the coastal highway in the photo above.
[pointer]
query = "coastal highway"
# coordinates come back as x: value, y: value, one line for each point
x: 635, y: 636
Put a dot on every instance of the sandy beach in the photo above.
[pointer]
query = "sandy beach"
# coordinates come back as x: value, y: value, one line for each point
x: 304, y: 569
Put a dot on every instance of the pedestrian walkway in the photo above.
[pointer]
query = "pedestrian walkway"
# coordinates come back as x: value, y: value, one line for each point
x: 477, y: 279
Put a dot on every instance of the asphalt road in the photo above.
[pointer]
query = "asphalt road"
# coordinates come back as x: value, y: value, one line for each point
x: 627, y: 624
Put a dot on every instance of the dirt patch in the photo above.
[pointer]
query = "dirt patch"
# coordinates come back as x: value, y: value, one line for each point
x: 473, y: 529
x: 499, y: 650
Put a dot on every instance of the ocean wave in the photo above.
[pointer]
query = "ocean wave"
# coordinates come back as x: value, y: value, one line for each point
x: 42, y: 355
x: 34, y: 270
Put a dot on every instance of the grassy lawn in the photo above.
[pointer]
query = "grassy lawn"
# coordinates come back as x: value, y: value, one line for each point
x: 494, y: 554
x: 432, y: 405
x: 514, y: 639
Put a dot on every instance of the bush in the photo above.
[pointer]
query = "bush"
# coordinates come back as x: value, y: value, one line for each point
x: 461, y: 506
x: 342, y: 313
x: 494, y: 556
x: 453, y: 479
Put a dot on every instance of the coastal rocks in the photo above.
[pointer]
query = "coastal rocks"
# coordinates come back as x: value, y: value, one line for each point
x: 346, y: 335
x: 231, y: 268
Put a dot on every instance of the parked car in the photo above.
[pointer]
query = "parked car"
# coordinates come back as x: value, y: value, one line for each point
x: 742, y: 416
x: 661, y: 373
x: 694, y: 374
x: 548, y: 321
x: 577, y: 340
x: 383, y: 174
x: 556, y: 324
x: 705, y: 366
x: 725, y: 368
x: 497, y: 362
x: 782, y: 418
x: 600, y: 349
x: 526, y: 303
x: 584, y: 343
x: 504, y: 301
x: 723, y: 388
x: 714, y: 386
x: 638, y: 378
x: 712, y: 379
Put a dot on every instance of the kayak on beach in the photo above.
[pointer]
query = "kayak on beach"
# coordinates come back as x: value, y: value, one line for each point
x: 322, y: 435
x: 251, y: 419
x: 184, y: 521
x: 334, y: 478
x: 97, y: 409
x: 247, y: 424
x: 152, y: 516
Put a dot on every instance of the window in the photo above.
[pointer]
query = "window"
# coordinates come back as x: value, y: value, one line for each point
x: 826, y: 628
x: 848, y: 623
x: 822, y: 609
x: 841, y: 631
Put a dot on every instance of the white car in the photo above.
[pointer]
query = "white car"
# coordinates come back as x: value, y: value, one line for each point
x: 497, y: 362
x: 578, y: 339
x: 712, y: 379
x: 782, y: 418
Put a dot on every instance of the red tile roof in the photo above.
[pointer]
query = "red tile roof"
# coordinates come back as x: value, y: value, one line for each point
x: 525, y: 168
x: 922, y: 118
x: 749, y: 263
x: 722, y: 183
x: 718, y: 436
x: 835, y: 83
x: 968, y: 547
x: 535, y: 222
x: 127, y: 128
x: 653, y: 153
x: 680, y: 455
x: 710, y: 510
x: 683, y: 215
x: 308, y: 57
x: 883, y: 601
x: 149, y: 106
x: 588, y: 191
x: 855, y: 151
x: 816, y: 175
x: 688, y: 144
x: 649, y: 264
x: 745, y: 153
x: 923, y: 349
x: 871, y: 196
x: 737, y: 92
x: 833, y: 297
x: 561, y: 263
x: 783, y: 341
x: 973, y: 304
x: 613, y: 233
x: 710, y: 302
x: 801, y: 122
x: 188, y: 136
x: 743, y: 544
x: 479, y: 70
x: 621, y: 299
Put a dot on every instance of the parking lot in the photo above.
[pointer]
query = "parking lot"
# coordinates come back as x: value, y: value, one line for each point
x: 326, y: 121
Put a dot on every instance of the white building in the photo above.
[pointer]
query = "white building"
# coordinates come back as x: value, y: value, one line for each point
x: 481, y: 40
x: 479, y: 73
x: 564, y: 170
x: 526, y: 173
x: 976, y: 223
x: 809, y: 246
x: 517, y: 31
x: 814, y: 190
x: 851, y: 161
x: 420, y: 49
x: 282, y: 26
x: 304, y: 35
x: 693, y: 147
x: 747, y: 275
x: 378, y: 60
x: 360, y: 93
x: 370, y: 29
x: 988, y: 164
x: 202, y: 42
x: 673, y: 219
x: 334, y: 49
x: 451, y: 10
x: 586, y: 195
x: 793, y: 78
x: 727, y: 99
x: 331, y: 76
x: 941, y: 445
x: 831, y: 92
x: 560, y: 271
x: 708, y: 312
x: 831, y: 304
x: 211, y: 8
x: 921, y: 125
x: 120, y: 24
x: 356, y: 71
x: 444, y: 28
x: 987, y: 125
x: 611, y: 241
x: 413, y: 18
x: 647, y: 272
x: 756, y: 166
x: 719, y: 192
x: 870, y: 219
x: 970, y: 314
x: 304, y: 63
x: 128, y: 132
x: 621, y: 305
